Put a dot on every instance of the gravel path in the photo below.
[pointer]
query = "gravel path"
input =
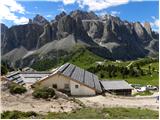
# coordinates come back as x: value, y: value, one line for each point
x: 113, y: 101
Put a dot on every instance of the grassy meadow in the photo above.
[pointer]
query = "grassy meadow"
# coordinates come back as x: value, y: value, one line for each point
x: 87, y: 113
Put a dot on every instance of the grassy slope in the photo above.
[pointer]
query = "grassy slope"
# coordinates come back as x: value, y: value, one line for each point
x: 79, y: 56
x: 90, y: 113
x: 83, y: 58
x: 144, y: 80
x: 106, y: 113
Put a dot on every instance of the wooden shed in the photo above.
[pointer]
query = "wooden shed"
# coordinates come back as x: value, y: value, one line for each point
x: 118, y: 87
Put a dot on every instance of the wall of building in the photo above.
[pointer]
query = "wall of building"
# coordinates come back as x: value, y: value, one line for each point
x: 125, y: 92
x: 57, y: 79
x: 81, y: 90
x: 61, y: 80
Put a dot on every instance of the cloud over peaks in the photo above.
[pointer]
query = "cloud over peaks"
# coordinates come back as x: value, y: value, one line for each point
x: 9, y: 8
x: 93, y: 5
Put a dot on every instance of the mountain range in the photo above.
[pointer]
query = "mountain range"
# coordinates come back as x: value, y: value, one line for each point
x: 107, y: 36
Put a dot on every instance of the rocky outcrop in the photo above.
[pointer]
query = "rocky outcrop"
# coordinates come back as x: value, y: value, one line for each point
x: 94, y: 28
x: 47, y: 36
x: 3, y: 29
x: 63, y: 28
x: 21, y: 35
x: 148, y: 28
x: 122, y: 37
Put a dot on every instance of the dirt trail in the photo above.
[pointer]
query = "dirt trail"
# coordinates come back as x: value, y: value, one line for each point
x: 27, y: 103
x: 111, y: 101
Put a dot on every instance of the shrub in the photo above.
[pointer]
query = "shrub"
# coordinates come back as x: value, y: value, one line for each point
x: 4, y: 70
x: 16, y: 89
x: 17, y: 114
x: 44, y: 93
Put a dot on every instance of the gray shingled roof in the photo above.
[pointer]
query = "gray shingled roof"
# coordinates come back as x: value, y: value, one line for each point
x: 27, y: 76
x: 80, y: 75
x: 115, y: 85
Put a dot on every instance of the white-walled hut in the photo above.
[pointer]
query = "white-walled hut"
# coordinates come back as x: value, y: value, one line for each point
x: 72, y: 79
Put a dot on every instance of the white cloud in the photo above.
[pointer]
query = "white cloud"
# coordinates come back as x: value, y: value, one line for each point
x: 49, y: 16
x: 61, y: 8
x: 155, y: 24
x: 115, y: 13
x: 9, y: 8
x: 64, y: 1
x: 21, y: 20
x: 93, y: 5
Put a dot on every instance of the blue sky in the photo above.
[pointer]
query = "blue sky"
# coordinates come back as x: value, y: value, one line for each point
x: 18, y: 12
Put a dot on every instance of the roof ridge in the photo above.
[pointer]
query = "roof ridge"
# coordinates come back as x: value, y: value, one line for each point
x: 67, y: 64
x: 72, y: 70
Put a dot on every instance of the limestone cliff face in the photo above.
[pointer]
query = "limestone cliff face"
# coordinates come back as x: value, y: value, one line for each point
x: 21, y: 35
x: 107, y: 36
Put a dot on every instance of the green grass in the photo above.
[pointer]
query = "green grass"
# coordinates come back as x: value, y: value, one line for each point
x: 18, y: 114
x: 79, y: 56
x: 143, y: 80
x: 90, y: 113
x: 153, y: 65
x: 84, y: 58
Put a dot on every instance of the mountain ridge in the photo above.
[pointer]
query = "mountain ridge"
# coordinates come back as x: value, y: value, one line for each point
x: 110, y: 37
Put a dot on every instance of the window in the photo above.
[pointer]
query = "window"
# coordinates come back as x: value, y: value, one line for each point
x: 76, y: 86
x: 66, y: 86
x: 54, y: 85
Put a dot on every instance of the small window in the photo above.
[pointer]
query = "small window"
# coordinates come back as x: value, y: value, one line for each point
x: 76, y: 86
x: 54, y: 85
x: 66, y: 86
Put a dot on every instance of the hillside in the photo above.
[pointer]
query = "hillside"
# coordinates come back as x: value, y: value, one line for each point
x: 81, y: 57
x: 143, y: 71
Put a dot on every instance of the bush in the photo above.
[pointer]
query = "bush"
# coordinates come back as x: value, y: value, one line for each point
x: 17, y: 114
x: 4, y: 70
x: 44, y: 93
x: 16, y: 89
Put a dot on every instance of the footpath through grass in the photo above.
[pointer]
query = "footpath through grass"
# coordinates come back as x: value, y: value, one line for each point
x: 146, y: 71
x: 88, y: 113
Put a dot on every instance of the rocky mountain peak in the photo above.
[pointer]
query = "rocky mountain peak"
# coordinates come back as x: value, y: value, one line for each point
x: 84, y: 15
x: 3, y: 27
x: 40, y: 20
x: 147, y: 26
x: 111, y: 35
x: 58, y: 17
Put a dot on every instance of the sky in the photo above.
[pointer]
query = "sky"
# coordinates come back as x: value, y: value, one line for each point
x: 15, y: 12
